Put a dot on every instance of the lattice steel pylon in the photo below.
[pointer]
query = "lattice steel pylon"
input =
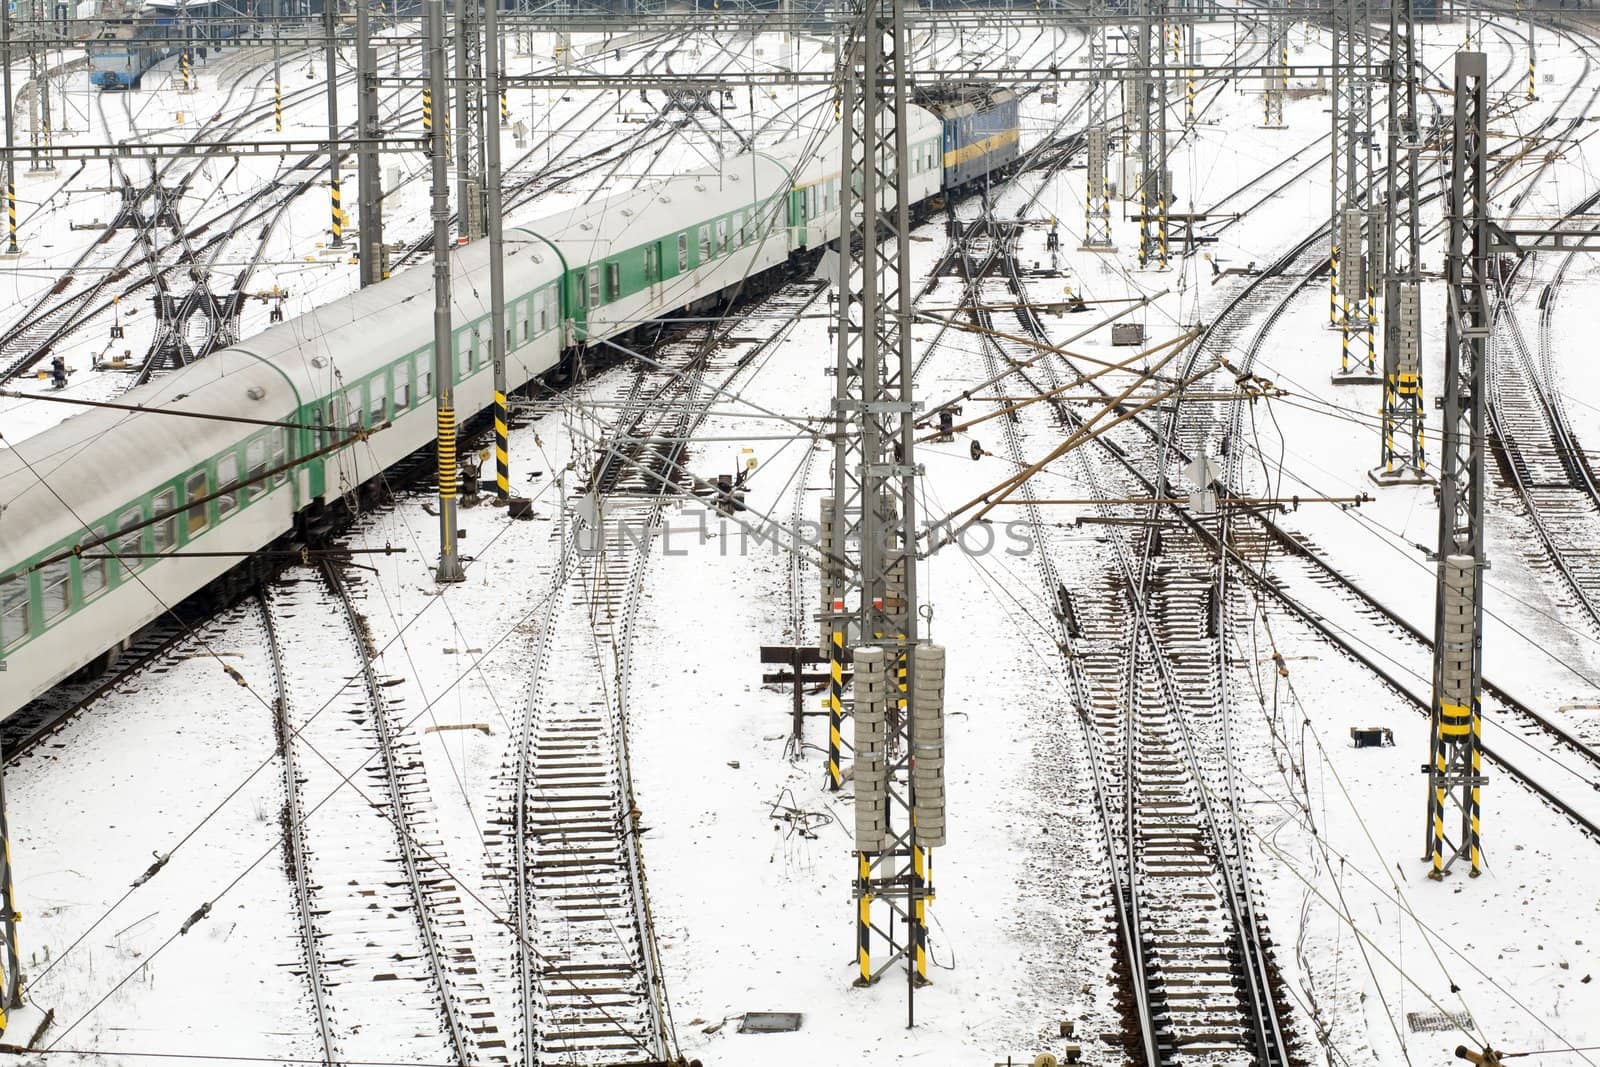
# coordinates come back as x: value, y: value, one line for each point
x: 1097, y: 184
x: 1277, y: 80
x: 873, y: 533
x: 1402, y: 459
x: 1149, y: 89
x: 468, y: 127
x: 1455, y: 757
x: 1354, y: 260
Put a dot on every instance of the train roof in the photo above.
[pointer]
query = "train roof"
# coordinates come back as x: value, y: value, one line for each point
x: 79, y: 471
x: 813, y: 156
x: 597, y: 229
x: 955, y: 99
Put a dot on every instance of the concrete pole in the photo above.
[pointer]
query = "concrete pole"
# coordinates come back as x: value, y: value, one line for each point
x: 497, y: 280
x: 330, y: 25
x: 443, y: 353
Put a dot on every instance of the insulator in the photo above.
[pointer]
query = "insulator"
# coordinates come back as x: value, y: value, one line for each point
x: 1408, y: 353
x: 1376, y: 263
x: 927, y: 744
x: 1458, y: 634
x: 1351, y: 281
x: 827, y: 579
x: 1098, y: 143
x: 871, y: 772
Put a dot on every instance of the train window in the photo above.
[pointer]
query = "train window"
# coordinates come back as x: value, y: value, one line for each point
x: 14, y: 624
x: 255, y: 465
x: 194, y: 488
x: 278, y: 454
x: 683, y: 251
x: 425, y: 382
x: 542, y: 302
x: 227, y: 474
x: 522, y: 321
x: 652, y: 263
x: 129, y: 542
x: 722, y: 236
x: 55, y: 595
x: 92, y: 570
x: 165, y: 530
x: 594, y: 287
x: 744, y: 226
x: 705, y: 243
x: 402, y: 386
x: 613, y: 280
x: 463, y: 354
x: 377, y: 402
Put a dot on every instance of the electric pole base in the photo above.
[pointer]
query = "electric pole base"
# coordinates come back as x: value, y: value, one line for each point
x: 1107, y: 247
x: 1356, y: 376
x: 1381, y: 476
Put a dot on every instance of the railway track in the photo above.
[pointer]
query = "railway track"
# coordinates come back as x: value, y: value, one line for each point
x: 1145, y: 660
x: 584, y: 971
x: 390, y: 972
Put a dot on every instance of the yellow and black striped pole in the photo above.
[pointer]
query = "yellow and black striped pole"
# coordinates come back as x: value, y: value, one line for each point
x: 1333, y: 283
x: 277, y: 104
x: 505, y: 109
x: 863, y: 919
x: 187, y: 71
x: 1144, y: 224
x: 835, y: 693
x: 502, y: 447
x: 427, y: 110
x: 1161, y: 228
x: 338, y: 212
x: 448, y: 479
x: 11, y: 218
x: 1436, y: 806
x: 919, y: 913
x: 1476, y: 853
x: 1372, y: 327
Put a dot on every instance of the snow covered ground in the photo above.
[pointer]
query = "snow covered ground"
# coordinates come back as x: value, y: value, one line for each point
x: 747, y: 856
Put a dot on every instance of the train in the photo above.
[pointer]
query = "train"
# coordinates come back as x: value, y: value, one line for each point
x: 114, y: 517
x: 135, y: 40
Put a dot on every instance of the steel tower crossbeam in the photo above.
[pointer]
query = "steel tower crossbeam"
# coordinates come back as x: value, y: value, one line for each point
x: 1455, y: 764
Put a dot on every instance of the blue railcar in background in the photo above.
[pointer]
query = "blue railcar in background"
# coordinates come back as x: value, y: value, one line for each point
x: 981, y: 135
x: 137, y: 40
